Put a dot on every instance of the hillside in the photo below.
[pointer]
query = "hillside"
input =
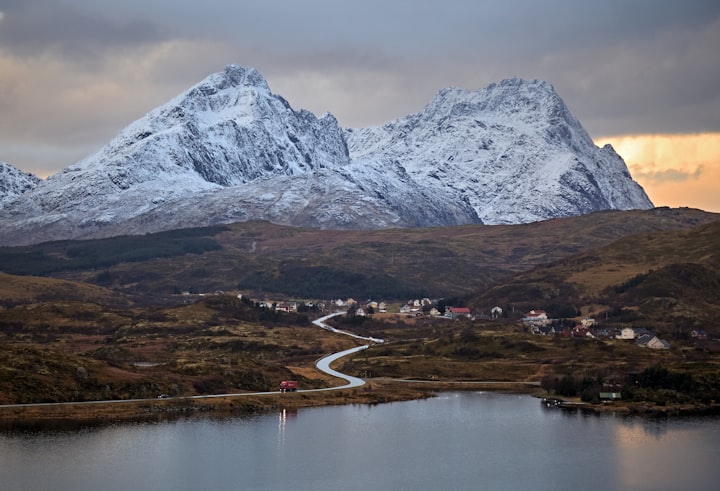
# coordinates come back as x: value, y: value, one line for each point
x: 667, y: 280
x: 32, y: 289
x: 269, y: 259
x: 62, y: 340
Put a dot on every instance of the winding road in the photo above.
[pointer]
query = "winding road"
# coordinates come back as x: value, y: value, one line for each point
x: 323, y: 364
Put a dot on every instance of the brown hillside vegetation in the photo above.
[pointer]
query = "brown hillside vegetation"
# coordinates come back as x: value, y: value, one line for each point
x: 667, y: 280
x: 401, y: 263
x: 134, y: 337
x: 75, y: 351
x: 31, y: 289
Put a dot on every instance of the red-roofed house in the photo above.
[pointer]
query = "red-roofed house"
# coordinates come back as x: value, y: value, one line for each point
x: 457, y: 312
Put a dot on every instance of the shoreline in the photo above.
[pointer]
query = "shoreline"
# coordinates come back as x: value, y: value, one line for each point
x: 375, y: 391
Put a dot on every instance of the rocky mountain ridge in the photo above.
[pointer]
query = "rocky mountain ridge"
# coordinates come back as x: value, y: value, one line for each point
x: 228, y: 150
x: 14, y: 182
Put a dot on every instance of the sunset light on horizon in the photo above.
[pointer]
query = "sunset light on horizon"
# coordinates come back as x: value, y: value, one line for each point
x: 674, y: 170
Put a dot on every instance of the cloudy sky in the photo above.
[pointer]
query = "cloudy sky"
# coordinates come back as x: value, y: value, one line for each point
x: 643, y: 75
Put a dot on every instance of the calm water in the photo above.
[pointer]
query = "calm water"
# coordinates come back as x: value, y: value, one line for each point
x: 456, y: 441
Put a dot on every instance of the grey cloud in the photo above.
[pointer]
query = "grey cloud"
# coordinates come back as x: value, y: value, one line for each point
x: 404, y: 27
x: 36, y: 28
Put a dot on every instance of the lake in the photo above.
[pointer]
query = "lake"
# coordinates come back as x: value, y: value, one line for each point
x: 469, y: 440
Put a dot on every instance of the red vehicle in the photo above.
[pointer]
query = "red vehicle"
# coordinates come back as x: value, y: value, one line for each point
x: 288, y: 386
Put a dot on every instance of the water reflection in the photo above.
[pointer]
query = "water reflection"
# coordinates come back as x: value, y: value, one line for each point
x: 283, y: 417
x: 455, y: 441
x: 658, y: 446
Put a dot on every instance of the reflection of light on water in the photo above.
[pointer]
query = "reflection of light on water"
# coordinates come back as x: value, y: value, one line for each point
x: 652, y: 454
x: 283, y: 417
x: 641, y: 432
x: 282, y: 423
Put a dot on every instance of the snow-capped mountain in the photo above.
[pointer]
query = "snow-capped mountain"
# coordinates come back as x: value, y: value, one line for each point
x: 14, y: 182
x: 513, y: 150
x: 228, y: 149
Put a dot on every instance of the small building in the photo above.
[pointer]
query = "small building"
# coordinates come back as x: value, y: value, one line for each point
x: 536, y: 318
x: 652, y: 342
x: 282, y: 307
x: 459, y: 312
x: 626, y: 333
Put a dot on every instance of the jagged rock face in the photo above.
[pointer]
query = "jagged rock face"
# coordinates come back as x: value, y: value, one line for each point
x: 230, y: 150
x: 513, y: 150
x: 14, y: 182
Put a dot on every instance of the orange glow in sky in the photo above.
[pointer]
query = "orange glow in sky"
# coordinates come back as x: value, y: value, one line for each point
x: 674, y: 170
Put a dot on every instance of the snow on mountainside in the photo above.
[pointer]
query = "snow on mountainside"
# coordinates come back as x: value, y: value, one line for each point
x: 513, y: 150
x: 14, y: 182
x: 229, y: 150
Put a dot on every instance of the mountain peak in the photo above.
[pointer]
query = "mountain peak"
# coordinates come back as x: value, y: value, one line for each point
x: 229, y: 150
x: 234, y: 87
x: 237, y: 75
x: 524, y: 82
x: 512, y: 150
x: 531, y: 100
x: 14, y: 182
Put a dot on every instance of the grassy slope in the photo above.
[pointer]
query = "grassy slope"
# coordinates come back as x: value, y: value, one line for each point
x: 67, y: 341
x: 29, y: 289
x: 665, y: 280
x: 405, y: 263
x: 68, y: 350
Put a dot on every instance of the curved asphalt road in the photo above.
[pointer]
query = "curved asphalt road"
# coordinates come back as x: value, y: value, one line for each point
x: 323, y: 364
x: 321, y: 323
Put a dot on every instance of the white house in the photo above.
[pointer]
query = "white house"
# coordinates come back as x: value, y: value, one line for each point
x: 626, y: 333
x: 536, y: 318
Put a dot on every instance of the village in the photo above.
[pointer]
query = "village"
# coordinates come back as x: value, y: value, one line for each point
x: 536, y: 321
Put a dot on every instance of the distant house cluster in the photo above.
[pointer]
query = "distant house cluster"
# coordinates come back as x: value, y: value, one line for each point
x: 538, y: 322
x: 278, y: 306
x: 418, y: 305
x: 642, y: 338
x: 428, y: 307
